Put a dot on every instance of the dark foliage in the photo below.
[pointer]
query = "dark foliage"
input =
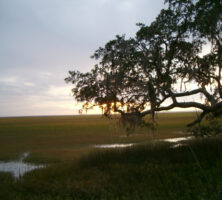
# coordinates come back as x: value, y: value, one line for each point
x: 165, y: 61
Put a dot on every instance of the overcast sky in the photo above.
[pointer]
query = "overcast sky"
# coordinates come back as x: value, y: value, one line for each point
x: 40, y: 40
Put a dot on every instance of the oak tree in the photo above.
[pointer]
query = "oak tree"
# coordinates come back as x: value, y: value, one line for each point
x: 165, y: 66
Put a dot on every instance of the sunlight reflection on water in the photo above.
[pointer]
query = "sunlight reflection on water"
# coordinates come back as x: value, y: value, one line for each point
x: 19, y: 167
x: 171, y: 140
x: 177, y: 139
x: 113, y: 145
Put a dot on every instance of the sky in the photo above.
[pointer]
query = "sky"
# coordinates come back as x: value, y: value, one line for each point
x: 41, y: 40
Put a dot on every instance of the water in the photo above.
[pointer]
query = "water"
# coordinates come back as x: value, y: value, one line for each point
x: 176, y: 140
x: 113, y: 145
x: 171, y: 140
x: 18, y: 167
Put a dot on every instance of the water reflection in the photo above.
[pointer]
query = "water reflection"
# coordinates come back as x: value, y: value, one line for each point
x: 19, y: 167
x: 113, y: 145
x: 171, y: 140
x: 176, y: 139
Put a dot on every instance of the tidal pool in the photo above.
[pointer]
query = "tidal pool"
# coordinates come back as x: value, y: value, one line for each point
x: 171, y: 140
x: 18, y: 167
x: 113, y: 145
x: 175, y: 140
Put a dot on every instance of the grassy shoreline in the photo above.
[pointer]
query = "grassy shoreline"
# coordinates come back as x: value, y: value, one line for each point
x: 153, y: 170
x: 64, y: 138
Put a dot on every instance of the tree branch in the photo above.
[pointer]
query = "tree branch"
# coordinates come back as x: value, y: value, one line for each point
x: 178, y: 105
x: 198, y: 120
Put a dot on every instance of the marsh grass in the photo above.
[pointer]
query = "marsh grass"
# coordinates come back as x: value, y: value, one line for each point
x: 151, y: 170
x: 65, y: 138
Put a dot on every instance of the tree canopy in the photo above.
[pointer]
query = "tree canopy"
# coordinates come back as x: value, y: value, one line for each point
x: 163, y: 67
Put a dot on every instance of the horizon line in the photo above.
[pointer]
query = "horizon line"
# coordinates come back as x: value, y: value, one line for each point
x: 60, y: 115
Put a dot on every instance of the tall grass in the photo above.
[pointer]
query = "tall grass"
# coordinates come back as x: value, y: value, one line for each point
x: 154, y: 171
x: 151, y: 170
x: 64, y: 138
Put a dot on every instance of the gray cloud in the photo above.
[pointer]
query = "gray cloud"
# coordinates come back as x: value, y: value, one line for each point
x: 41, y: 40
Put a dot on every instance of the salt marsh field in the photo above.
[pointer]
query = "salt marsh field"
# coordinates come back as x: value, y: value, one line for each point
x: 64, y: 138
x: 90, y: 157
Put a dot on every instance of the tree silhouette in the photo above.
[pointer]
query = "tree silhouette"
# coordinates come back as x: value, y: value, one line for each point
x: 163, y: 67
